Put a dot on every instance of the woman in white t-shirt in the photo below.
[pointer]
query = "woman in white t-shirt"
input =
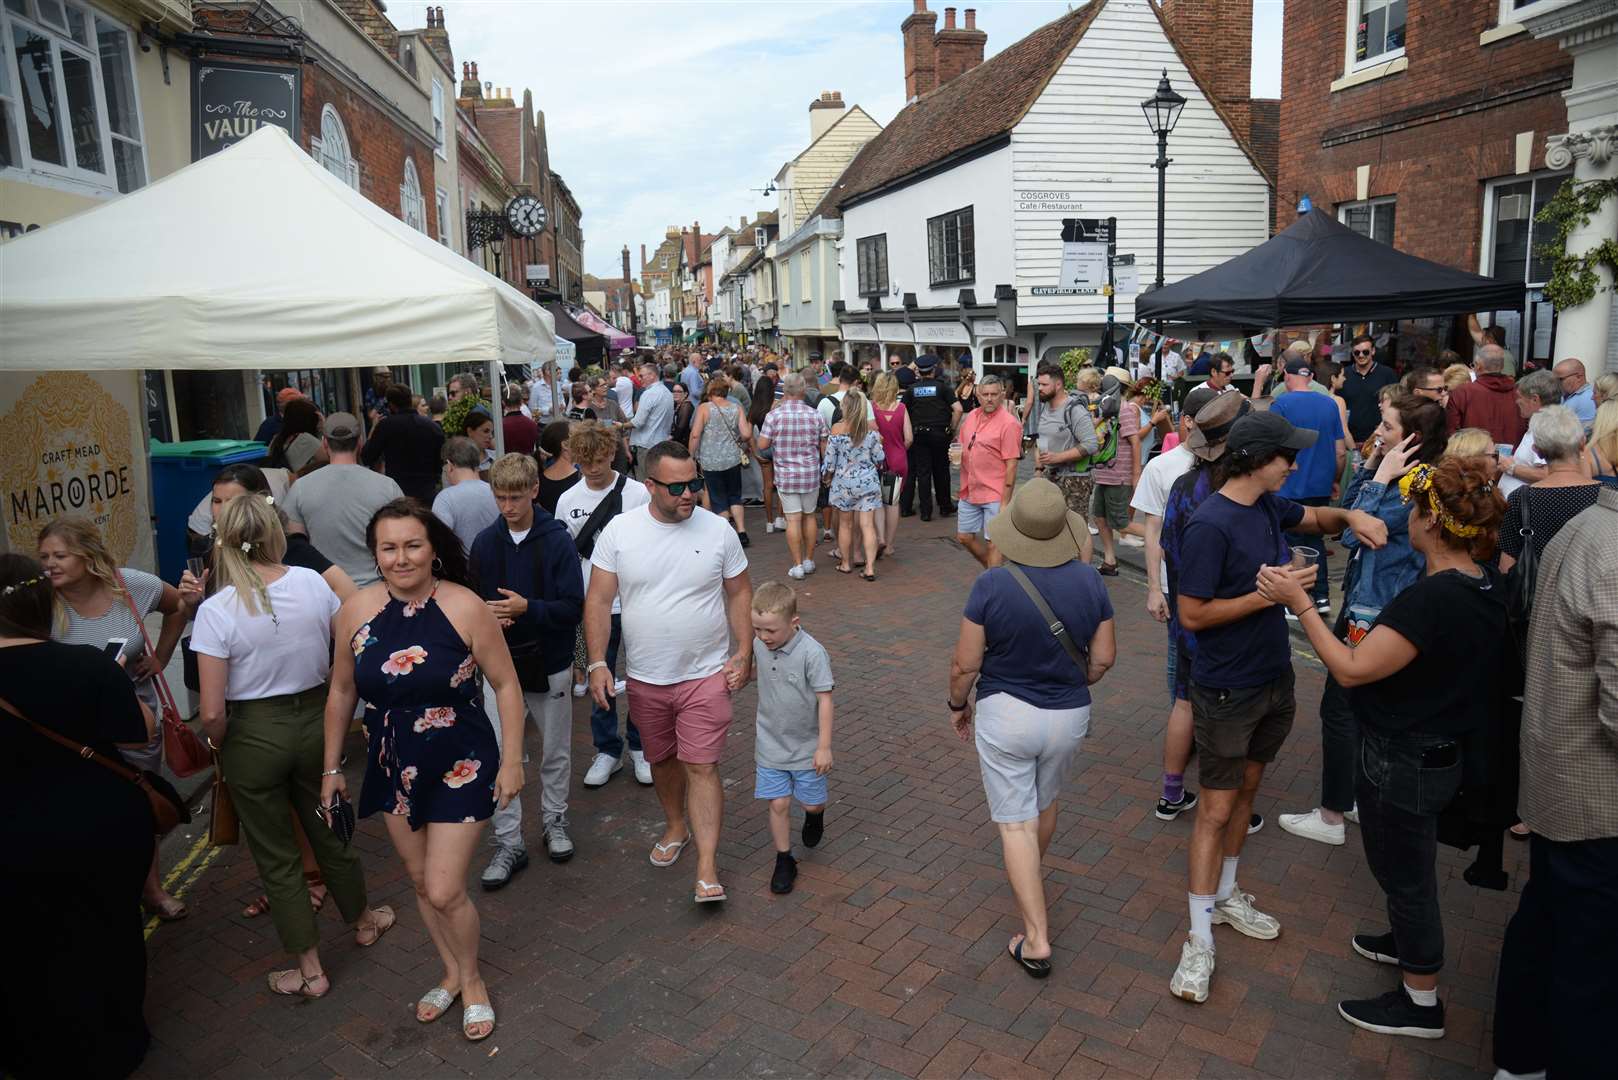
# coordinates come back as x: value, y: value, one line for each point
x: 263, y: 644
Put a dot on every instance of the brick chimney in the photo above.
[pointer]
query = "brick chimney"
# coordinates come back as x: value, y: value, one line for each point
x: 437, y: 38
x: 470, y: 87
x: 825, y: 111
x: 921, y: 58
x: 959, y: 50
x: 1227, y: 69
x: 643, y: 258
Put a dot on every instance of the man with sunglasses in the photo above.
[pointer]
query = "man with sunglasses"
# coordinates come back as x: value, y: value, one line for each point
x: 681, y: 578
x: 1427, y: 382
x: 1363, y: 381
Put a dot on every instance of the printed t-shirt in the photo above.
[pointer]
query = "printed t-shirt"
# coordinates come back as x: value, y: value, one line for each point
x: 1223, y: 546
x: 788, y: 712
x: 1121, y: 469
x: 578, y: 502
x: 1021, y: 656
x: 1457, y: 624
x: 283, y: 650
x: 670, y: 578
x: 1317, y: 464
x: 988, y: 441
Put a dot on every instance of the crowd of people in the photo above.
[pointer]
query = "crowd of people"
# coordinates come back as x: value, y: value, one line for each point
x: 393, y: 573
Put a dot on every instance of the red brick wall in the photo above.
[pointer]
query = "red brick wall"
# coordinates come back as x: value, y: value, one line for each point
x: 1462, y: 103
x: 378, y: 143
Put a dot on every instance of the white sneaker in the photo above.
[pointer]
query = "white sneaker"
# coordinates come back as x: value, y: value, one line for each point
x: 780, y: 524
x: 1353, y: 815
x: 1094, y: 531
x: 643, y: 768
x: 618, y: 688
x: 601, y: 769
x: 1196, y: 969
x: 1239, y: 913
x: 769, y: 527
x: 808, y: 566
x: 580, y: 689
x: 827, y: 534
x: 1312, y: 826
x: 796, y: 573
x: 1128, y: 540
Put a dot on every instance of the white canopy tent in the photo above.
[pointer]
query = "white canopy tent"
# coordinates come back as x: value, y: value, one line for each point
x: 254, y: 258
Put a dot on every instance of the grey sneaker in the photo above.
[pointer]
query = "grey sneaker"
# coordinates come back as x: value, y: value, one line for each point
x: 556, y: 840
x: 506, y: 862
x: 1239, y: 913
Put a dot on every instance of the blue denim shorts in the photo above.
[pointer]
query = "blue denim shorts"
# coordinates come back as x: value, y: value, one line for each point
x: 972, y: 519
x: 808, y: 786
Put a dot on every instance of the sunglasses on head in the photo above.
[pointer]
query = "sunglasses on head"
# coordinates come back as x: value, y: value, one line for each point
x: 680, y: 487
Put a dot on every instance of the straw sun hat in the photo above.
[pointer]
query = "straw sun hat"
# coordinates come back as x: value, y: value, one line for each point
x: 1038, y: 529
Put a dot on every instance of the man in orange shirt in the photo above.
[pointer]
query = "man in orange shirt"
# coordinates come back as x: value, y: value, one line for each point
x: 990, y: 445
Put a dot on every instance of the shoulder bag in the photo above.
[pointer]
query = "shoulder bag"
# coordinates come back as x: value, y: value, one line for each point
x: 1520, y: 585
x: 168, y: 809
x: 733, y: 422
x: 183, y: 752
x: 1080, y: 654
x: 605, y: 511
x: 224, y: 827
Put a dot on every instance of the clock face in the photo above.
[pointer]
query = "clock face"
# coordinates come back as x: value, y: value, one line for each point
x: 526, y: 215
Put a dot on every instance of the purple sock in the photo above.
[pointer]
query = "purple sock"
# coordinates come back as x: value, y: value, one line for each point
x: 1173, y: 786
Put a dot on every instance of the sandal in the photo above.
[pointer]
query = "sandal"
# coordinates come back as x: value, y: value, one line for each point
x: 665, y: 848
x: 844, y: 569
x: 477, y: 1014
x: 702, y: 896
x: 304, y: 987
x: 381, y: 927
x: 868, y: 576
x: 257, y: 907
x: 313, y: 880
x: 436, y: 998
x: 1037, y: 969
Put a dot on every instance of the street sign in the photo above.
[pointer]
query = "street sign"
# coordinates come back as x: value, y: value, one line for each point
x: 1125, y: 275
x: 538, y: 274
x: 1086, y: 230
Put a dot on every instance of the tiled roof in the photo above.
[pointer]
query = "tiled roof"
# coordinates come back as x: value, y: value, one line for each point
x: 971, y: 108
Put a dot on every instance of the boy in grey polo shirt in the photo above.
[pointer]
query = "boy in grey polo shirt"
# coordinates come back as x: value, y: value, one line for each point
x: 793, y: 744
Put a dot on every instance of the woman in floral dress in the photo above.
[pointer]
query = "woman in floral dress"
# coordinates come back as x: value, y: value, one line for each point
x: 854, y: 456
x: 417, y: 640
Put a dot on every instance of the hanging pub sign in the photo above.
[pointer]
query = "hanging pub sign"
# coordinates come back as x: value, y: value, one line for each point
x: 230, y: 101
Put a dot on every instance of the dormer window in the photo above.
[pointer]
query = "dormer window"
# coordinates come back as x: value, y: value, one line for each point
x: 759, y: 238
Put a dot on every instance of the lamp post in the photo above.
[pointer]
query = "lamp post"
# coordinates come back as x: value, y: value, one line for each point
x: 1162, y: 109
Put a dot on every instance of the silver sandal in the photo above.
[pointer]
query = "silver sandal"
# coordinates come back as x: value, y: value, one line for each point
x: 436, y: 998
x: 477, y: 1014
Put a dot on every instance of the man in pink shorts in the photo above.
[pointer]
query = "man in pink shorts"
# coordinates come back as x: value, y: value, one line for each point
x: 681, y: 577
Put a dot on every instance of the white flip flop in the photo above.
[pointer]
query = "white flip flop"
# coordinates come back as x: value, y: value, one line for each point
x: 665, y: 849
x: 702, y: 898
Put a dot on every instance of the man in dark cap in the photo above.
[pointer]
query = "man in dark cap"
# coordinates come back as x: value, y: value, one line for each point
x: 1241, y: 687
x: 934, y: 414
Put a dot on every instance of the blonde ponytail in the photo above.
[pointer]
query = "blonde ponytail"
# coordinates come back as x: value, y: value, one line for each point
x: 248, y: 535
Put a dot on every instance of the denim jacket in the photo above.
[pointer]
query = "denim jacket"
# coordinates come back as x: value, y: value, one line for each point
x: 1376, y: 577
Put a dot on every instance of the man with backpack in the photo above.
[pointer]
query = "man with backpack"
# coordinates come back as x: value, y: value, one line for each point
x: 1061, y: 425
x: 585, y: 508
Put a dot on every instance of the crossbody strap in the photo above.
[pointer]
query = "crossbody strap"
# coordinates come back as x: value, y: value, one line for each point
x: 1058, y: 628
x: 77, y: 748
x: 165, y: 697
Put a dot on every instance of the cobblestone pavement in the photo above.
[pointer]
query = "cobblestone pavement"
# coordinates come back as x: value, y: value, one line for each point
x: 887, y: 959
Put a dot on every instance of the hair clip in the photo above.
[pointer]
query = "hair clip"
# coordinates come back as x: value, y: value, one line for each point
x: 9, y: 589
x: 247, y: 547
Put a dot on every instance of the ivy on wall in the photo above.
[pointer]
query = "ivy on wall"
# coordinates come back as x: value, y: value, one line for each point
x: 1574, y: 279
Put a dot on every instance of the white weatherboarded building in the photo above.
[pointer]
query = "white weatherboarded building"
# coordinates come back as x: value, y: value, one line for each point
x: 954, y: 216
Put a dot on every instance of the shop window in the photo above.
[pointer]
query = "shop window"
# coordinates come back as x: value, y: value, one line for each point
x: 804, y: 273
x: 443, y: 218
x: 950, y: 259
x: 332, y: 149
x: 1379, y: 31
x: 68, y: 107
x: 1511, y: 246
x: 439, y: 125
x: 872, y: 253
x: 1373, y: 218
x: 412, y: 207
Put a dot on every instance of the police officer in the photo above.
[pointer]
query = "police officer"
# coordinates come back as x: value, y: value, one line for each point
x: 934, y: 414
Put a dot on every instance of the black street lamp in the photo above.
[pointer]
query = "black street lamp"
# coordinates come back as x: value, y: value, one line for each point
x: 1162, y: 109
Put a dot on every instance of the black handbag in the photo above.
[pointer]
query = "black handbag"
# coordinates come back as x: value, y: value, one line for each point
x: 339, y: 814
x: 1520, y: 585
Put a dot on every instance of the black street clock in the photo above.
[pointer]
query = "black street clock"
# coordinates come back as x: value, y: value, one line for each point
x: 525, y: 215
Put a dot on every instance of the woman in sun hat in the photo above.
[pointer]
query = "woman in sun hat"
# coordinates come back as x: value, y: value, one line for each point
x: 1033, y: 687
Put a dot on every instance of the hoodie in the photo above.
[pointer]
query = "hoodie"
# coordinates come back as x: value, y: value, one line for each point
x: 544, y: 570
x: 1490, y: 403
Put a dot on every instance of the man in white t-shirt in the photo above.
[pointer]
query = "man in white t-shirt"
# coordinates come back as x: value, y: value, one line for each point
x: 623, y: 388
x: 682, y: 579
x: 1151, y: 499
x: 592, y: 446
x: 1535, y: 390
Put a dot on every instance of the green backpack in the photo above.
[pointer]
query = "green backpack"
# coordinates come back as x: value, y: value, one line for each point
x: 1106, y: 431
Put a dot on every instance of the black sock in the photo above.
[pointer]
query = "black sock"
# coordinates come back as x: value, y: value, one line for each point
x: 814, y: 825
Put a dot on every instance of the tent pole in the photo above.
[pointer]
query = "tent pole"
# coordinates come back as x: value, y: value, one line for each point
x: 497, y: 404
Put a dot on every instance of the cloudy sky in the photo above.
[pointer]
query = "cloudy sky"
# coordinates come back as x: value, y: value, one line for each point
x: 663, y: 113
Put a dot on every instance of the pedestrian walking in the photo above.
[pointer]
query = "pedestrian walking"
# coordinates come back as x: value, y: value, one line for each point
x: 792, y: 745
x: 684, y: 411
x: 893, y: 422
x: 1036, y: 634
x: 795, y: 435
x: 334, y: 504
x: 525, y: 568
x: 671, y: 556
x: 263, y: 658
x: 412, y: 646
x: 934, y: 414
x: 720, y: 435
x: 991, y: 447
x: 466, y: 502
x: 405, y: 444
x: 854, y: 460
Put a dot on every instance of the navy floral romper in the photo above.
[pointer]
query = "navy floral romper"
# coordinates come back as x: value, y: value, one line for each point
x: 431, y: 751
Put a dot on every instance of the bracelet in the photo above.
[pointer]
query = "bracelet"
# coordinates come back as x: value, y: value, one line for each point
x: 595, y: 664
x: 332, y: 772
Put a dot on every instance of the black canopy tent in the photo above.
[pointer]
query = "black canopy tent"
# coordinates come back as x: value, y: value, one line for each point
x: 591, y: 347
x: 1320, y: 271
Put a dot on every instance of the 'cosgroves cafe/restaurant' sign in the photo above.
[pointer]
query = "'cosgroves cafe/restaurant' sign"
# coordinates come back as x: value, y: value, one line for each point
x: 230, y: 101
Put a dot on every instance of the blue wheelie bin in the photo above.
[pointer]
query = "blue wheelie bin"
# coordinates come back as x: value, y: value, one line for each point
x: 182, y: 473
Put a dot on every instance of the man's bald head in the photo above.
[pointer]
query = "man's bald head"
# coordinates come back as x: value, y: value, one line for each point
x: 1491, y: 359
x: 1570, y: 373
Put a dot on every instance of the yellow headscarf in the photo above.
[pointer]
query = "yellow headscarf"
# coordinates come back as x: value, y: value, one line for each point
x: 1419, y: 481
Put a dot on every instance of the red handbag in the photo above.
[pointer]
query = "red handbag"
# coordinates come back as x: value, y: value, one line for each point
x: 183, y: 751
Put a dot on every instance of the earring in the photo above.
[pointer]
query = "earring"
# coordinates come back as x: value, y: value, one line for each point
x: 438, y: 565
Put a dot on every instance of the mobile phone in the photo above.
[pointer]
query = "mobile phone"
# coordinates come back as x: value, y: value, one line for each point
x: 1442, y: 756
x: 114, y: 648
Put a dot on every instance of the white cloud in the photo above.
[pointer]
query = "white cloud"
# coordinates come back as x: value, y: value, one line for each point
x: 661, y: 113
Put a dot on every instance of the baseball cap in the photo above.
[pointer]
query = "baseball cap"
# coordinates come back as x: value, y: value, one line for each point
x: 1214, y: 421
x: 288, y: 393
x: 1199, y: 396
x: 1262, y: 432
x: 905, y: 376
x: 926, y: 361
x: 1297, y: 365
x: 342, y: 425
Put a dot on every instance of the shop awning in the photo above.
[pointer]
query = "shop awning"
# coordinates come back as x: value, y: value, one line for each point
x: 255, y: 257
x: 1320, y: 271
x: 616, y: 338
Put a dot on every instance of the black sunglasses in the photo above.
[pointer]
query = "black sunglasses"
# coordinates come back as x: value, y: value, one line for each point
x: 680, y: 487
x: 1364, y: 352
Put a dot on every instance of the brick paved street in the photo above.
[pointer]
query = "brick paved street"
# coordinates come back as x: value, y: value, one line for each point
x: 887, y: 959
